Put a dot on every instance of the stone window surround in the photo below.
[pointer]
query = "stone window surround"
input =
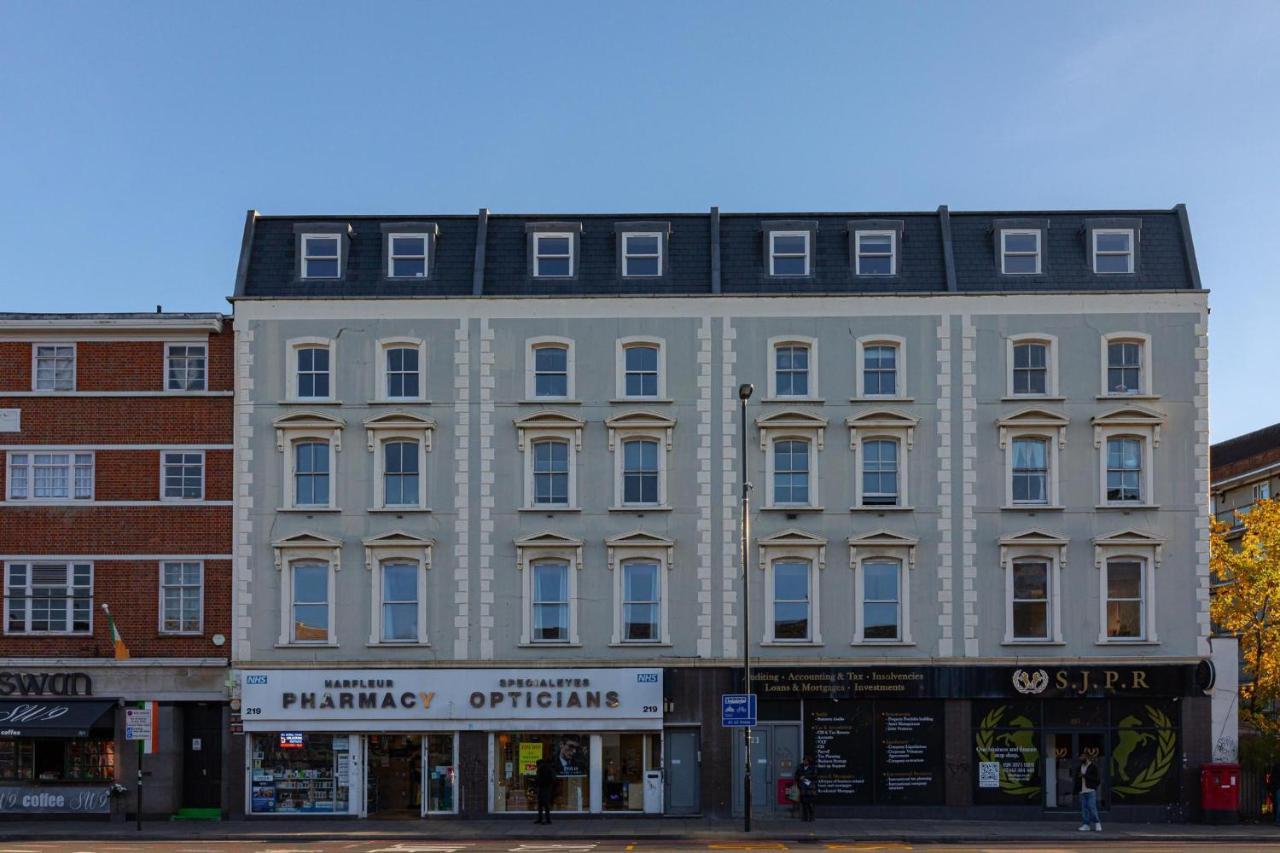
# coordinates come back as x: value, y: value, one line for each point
x: 548, y: 546
x: 298, y: 426
x: 793, y: 545
x: 883, y: 545
x: 792, y: 425
x: 1034, y: 545
x: 1146, y: 379
x: 1128, y: 422
x: 397, y: 546
x: 641, y: 546
x: 883, y: 424
x: 380, y: 378
x: 398, y: 426
x: 1050, y: 363
x: 292, y: 346
x: 620, y: 368
x: 632, y: 425
x: 900, y: 366
x: 306, y: 548
x: 531, y: 345
x: 1131, y: 545
x: 1034, y: 423
x: 544, y: 425
x: 809, y: 343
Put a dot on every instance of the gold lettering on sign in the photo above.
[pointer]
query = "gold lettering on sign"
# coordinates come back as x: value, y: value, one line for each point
x: 1111, y: 678
x: 1061, y: 679
x: 1139, y: 679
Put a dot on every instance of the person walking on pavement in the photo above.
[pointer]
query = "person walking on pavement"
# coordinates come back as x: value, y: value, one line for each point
x: 1273, y: 784
x: 544, y: 781
x: 807, y: 781
x: 1087, y: 783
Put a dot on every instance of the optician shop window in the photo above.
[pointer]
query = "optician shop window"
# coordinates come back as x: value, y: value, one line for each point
x: 301, y: 772
x: 517, y: 755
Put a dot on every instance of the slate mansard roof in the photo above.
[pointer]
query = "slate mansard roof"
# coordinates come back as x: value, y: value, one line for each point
x: 712, y: 253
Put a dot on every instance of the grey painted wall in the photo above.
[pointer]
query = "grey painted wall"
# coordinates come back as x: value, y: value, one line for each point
x: 955, y: 374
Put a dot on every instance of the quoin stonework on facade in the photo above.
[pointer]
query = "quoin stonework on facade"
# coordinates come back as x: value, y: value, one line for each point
x: 497, y: 456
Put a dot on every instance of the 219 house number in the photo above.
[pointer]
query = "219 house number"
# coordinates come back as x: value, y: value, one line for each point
x: 649, y: 709
x: 249, y: 712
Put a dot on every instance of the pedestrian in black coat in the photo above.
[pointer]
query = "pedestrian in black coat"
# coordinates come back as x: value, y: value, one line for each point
x: 544, y: 782
x: 807, y: 781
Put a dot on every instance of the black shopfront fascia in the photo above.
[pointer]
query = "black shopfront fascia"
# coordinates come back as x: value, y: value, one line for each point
x: 56, y: 718
x: 877, y: 732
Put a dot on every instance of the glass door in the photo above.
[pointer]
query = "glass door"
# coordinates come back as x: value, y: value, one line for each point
x: 1062, y: 755
x: 440, y: 769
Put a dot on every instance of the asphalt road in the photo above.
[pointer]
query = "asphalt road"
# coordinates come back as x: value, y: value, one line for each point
x: 517, y: 845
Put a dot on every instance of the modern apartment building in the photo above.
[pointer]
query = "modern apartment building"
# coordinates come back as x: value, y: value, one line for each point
x: 488, y: 479
x: 1245, y: 470
x: 116, y: 447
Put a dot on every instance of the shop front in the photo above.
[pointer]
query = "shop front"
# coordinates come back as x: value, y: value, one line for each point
x: 63, y: 746
x: 416, y: 743
x: 981, y: 740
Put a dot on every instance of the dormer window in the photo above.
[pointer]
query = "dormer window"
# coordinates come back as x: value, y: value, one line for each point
x: 407, y: 255
x: 876, y: 252
x: 642, y: 254
x: 788, y: 253
x: 1112, y: 251
x: 1020, y: 251
x: 553, y: 255
x: 320, y: 255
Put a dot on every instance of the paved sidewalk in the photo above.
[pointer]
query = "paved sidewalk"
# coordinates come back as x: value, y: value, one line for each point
x: 638, y: 829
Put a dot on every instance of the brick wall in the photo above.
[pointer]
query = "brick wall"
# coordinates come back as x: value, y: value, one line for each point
x: 134, y: 475
x: 116, y: 530
x: 132, y: 591
x: 107, y: 365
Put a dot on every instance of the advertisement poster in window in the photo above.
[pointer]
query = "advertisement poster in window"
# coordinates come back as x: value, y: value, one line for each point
x: 1006, y: 753
x: 1144, y: 751
x: 909, y: 753
x: 838, y: 736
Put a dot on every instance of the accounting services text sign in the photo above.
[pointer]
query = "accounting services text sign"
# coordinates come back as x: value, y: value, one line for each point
x: 280, y: 699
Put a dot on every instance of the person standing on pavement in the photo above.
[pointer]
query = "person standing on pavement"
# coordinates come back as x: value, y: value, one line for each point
x: 544, y: 782
x: 1273, y: 785
x: 807, y: 782
x: 1087, y: 783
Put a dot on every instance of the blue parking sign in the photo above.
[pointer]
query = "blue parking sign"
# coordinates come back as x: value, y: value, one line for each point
x: 738, y: 710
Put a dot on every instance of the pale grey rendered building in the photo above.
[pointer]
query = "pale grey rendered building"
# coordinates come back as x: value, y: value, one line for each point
x: 488, y: 509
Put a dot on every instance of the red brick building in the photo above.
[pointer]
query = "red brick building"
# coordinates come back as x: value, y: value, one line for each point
x: 115, y: 493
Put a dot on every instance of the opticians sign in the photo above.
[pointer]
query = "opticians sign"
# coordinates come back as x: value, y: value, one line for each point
x: 449, y: 699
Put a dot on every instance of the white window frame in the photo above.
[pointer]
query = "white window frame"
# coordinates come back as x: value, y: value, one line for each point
x: 306, y: 548
x: 397, y: 547
x: 900, y: 366
x: 531, y: 345
x: 291, y: 368
x: 1145, y: 376
x: 31, y: 500
x: 627, y: 254
x: 35, y: 366
x: 1262, y: 491
x: 1005, y: 233
x: 629, y: 426
x: 1050, y: 343
x: 798, y: 426
x: 538, y: 254
x: 620, y: 367
x: 308, y: 426
x: 774, y: 254
x: 1130, y: 421
x: 204, y: 474
x: 875, y: 425
x: 882, y: 545
x: 893, y: 252
x: 425, y: 256
x: 168, y: 354
x: 385, y: 345
x: 1028, y: 546
x: 1034, y: 423
x: 394, y: 428
x: 1094, y: 252
x: 161, y: 611
x: 1129, y: 545
x: 777, y: 342
x: 68, y: 566
x: 549, y: 425
x: 639, y: 546
x: 791, y: 546
x: 537, y: 548
x: 307, y: 256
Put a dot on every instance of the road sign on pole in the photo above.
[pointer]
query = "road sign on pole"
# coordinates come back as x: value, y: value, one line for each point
x: 738, y: 710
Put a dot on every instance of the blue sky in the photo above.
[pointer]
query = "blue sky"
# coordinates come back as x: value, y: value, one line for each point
x: 134, y: 136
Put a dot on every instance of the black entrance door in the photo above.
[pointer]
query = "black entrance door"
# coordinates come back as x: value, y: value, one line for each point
x: 202, y: 756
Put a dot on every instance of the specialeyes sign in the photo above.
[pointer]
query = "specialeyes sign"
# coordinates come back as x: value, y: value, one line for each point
x: 348, y: 700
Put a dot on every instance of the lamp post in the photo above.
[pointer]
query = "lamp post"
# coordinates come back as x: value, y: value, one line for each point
x: 744, y: 394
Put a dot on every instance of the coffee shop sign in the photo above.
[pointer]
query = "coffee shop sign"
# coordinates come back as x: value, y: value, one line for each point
x: 54, y: 800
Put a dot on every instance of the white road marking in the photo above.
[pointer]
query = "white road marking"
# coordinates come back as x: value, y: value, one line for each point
x: 420, y: 848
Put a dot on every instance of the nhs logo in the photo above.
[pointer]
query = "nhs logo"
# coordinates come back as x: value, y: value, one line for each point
x: 646, y: 678
x: 255, y: 679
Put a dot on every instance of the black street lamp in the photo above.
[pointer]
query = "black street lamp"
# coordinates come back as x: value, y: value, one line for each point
x: 744, y: 394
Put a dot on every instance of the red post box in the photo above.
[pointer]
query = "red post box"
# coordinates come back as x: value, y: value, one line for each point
x: 1220, y: 792
x: 781, y: 793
